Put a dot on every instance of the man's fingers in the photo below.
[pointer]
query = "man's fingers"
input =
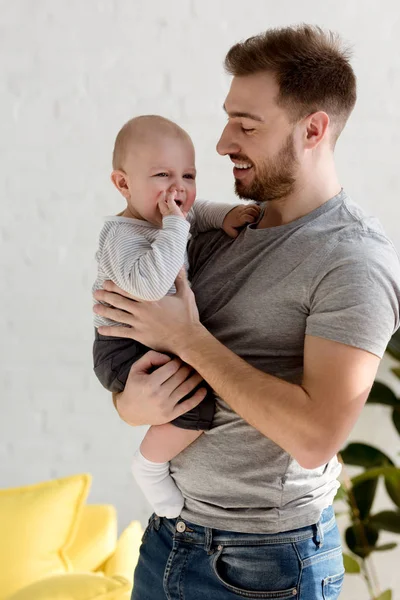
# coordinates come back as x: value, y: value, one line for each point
x: 177, y: 378
x: 181, y: 282
x: 165, y: 372
x: 185, y: 387
x: 148, y: 362
x: 110, y: 286
x: 114, y: 314
x: 116, y: 331
x: 125, y: 302
x: 187, y: 405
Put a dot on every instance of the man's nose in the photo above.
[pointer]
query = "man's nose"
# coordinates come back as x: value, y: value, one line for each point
x: 226, y: 145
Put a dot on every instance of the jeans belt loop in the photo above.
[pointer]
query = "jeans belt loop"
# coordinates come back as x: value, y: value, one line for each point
x: 157, y: 522
x: 319, y: 537
x: 208, y: 540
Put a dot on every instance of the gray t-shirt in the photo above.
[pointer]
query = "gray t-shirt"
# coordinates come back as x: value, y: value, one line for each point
x: 333, y: 274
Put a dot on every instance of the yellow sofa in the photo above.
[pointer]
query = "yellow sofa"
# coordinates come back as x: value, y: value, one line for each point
x: 55, y: 546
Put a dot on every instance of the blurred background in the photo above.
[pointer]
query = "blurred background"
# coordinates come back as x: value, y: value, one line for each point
x: 71, y: 74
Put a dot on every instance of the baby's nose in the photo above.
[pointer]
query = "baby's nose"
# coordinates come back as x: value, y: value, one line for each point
x: 177, y: 188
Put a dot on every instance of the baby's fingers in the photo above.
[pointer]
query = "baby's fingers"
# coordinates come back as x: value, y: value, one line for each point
x: 248, y: 217
x: 253, y: 210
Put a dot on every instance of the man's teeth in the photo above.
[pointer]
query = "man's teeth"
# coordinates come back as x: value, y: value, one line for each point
x: 242, y: 165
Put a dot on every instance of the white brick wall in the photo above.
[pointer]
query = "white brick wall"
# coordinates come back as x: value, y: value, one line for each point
x: 72, y: 73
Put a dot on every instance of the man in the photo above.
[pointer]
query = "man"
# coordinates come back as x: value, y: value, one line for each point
x: 295, y: 314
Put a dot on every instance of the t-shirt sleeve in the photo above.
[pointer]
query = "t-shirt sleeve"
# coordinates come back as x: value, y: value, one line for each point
x: 355, y: 296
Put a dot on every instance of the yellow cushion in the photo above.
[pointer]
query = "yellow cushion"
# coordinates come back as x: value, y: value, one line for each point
x: 76, y: 586
x: 37, y: 522
x: 96, y: 538
x: 125, y: 557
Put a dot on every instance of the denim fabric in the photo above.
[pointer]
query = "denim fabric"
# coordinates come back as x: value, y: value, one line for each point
x: 182, y: 561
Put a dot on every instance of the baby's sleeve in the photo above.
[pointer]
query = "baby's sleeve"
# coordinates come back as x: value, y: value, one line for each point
x: 206, y: 215
x: 144, y: 269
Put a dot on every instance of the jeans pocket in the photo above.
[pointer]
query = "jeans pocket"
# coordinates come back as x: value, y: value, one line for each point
x: 270, y: 571
x: 332, y: 586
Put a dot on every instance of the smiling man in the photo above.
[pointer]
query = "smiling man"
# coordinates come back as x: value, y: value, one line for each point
x: 293, y: 317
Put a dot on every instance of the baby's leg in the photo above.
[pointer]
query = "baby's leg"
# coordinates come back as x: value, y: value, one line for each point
x: 150, y: 466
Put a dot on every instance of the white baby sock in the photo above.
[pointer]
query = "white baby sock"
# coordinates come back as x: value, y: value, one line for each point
x: 158, y: 486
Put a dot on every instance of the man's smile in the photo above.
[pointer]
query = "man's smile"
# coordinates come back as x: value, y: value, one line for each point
x: 241, y: 168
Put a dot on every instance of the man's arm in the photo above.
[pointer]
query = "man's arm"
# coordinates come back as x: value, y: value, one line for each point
x: 310, y: 421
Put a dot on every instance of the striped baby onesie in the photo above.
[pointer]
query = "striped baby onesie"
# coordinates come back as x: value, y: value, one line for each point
x: 144, y: 259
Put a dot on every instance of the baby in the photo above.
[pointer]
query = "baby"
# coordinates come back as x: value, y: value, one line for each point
x: 142, y: 251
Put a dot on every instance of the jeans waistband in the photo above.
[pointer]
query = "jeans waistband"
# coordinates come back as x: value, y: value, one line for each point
x: 207, y: 536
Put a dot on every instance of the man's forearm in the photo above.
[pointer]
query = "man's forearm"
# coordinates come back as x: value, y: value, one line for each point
x: 280, y: 410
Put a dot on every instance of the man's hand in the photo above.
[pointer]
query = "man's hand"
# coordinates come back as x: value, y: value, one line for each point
x: 151, y: 396
x: 167, y: 325
x: 238, y: 217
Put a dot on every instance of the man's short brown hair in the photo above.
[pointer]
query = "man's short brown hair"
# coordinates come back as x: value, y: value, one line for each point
x: 310, y: 65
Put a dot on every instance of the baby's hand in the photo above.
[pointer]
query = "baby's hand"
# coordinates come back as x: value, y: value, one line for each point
x: 168, y: 206
x: 238, y: 217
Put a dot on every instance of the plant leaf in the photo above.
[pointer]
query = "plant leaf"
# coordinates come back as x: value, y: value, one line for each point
x: 396, y: 419
x: 341, y: 494
x: 364, y: 494
x: 382, y: 394
x: 376, y: 472
x: 393, y: 346
x: 392, y: 484
x: 384, y: 547
x: 387, y: 520
x: 387, y: 595
x: 363, y: 455
x: 351, y: 565
x: 361, y: 539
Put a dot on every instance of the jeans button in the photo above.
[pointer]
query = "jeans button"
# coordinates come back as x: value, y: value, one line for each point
x: 180, y: 526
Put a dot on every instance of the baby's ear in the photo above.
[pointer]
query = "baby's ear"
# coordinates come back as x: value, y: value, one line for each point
x: 120, y: 181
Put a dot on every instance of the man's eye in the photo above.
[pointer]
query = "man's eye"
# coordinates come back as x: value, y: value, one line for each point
x: 247, y: 130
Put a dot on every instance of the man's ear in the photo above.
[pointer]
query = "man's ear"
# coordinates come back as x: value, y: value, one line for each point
x: 120, y: 180
x: 316, y: 129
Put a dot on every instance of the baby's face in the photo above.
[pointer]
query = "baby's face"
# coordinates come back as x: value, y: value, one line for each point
x: 151, y: 169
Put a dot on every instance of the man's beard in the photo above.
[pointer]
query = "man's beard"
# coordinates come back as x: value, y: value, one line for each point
x: 276, y: 177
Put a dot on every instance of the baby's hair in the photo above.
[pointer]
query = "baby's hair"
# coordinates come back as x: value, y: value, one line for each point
x: 144, y: 129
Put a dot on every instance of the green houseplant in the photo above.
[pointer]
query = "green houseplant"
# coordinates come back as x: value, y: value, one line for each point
x: 362, y: 536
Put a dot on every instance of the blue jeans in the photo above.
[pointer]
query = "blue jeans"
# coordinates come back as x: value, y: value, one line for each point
x: 182, y: 561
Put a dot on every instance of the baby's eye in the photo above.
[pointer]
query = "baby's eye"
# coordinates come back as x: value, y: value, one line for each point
x: 162, y: 175
x: 189, y: 176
